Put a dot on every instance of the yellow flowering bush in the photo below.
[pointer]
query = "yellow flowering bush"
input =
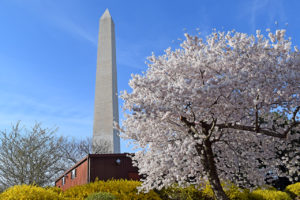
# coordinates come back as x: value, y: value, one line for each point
x: 121, y: 189
x: 235, y: 193
x: 55, y: 189
x: 205, y: 193
x: 293, y: 190
x: 177, y: 193
x: 231, y: 190
x: 127, y: 190
x: 101, y: 196
x: 29, y: 192
x: 260, y: 194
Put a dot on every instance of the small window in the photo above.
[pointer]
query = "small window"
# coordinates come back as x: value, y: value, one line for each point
x: 73, y: 173
x: 63, y: 180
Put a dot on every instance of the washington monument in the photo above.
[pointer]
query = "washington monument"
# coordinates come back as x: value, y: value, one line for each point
x: 106, y: 95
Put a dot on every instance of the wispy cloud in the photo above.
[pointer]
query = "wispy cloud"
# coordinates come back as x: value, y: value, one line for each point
x: 276, y: 12
x: 132, y: 58
x: 71, y: 27
x: 257, y: 5
x: 51, y: 13
x: 72, y: 120
x: 264, y: 10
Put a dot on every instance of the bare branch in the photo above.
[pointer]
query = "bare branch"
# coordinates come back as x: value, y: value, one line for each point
x: 29, y: 156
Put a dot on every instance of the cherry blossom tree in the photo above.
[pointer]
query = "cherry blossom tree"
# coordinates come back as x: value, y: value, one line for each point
x: 210, y: 110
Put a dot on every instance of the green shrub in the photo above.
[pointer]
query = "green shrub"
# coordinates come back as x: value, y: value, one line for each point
x: 29, y: 192
x: 293, y: 190
x: 260, y: 194
x: 101, y: 196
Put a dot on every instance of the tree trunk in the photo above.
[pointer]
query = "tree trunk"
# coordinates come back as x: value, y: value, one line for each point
x: 210, y: 168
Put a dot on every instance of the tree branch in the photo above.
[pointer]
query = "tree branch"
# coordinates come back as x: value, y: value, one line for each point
x: 262, y: 131
x: 211, y: 130
x: 217, y: 139
x: 191, y: 125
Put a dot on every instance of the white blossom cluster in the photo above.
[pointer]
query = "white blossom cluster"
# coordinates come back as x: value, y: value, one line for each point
x: 233, y: 82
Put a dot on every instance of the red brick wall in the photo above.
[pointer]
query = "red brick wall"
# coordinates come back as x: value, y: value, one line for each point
x: 105, y: 167
x: 80, y: 179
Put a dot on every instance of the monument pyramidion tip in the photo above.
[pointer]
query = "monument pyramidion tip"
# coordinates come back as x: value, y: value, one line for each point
x: 106, y: 14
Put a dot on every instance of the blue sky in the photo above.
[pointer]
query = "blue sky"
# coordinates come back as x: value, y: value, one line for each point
x: 48, y: 48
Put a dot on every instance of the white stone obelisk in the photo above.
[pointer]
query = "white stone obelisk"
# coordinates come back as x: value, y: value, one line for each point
x: 106, y: 95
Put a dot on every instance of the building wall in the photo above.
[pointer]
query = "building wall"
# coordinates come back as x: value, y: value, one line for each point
x: 101, y: 166
x: 105, y: 167
x: 80, y: 179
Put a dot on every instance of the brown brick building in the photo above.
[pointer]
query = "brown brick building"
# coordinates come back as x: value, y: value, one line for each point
x: 103, y: 166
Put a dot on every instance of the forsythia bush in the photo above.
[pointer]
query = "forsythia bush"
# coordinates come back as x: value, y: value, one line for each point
x: 127, y: 190
x: 101, y: 196
x: 55, y: 189
x: 190, y: 193
x: 121, y: 189
x: 293, y: 190
x: 231, y: 190
x: 29, y: 192
x: 177, y: 193
x: 269, y: 195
